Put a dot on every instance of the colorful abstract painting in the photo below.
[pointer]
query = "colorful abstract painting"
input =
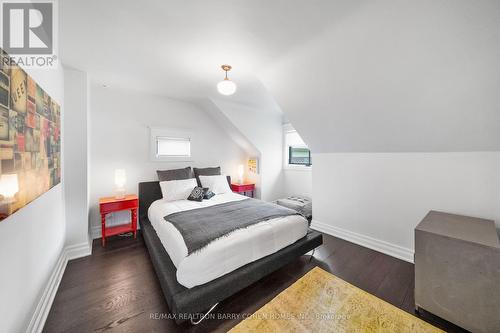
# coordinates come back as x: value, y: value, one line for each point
x: 30, y: 141
x: 253, y: 165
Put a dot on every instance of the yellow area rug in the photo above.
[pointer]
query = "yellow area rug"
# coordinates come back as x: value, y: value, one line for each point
x: 321, y: 302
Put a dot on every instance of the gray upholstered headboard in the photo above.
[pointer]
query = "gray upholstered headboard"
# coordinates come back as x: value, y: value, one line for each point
x: 149, y: 192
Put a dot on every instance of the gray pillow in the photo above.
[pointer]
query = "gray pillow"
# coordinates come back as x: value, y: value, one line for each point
x: 176, y: 174
x: 205, y: 172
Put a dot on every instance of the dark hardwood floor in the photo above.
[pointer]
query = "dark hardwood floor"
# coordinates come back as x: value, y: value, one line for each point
x: 116, y: 289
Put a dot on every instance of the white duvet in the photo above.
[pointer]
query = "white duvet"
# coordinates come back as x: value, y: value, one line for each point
x: 225, y: 254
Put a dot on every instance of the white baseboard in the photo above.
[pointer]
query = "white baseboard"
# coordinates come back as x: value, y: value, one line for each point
x: 366, y: 241
x: 79, y: 250
x: 43, y: 307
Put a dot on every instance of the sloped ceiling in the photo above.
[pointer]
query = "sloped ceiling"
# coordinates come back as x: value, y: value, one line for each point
x: 176, y: 48
x: 350, y: 75
x: 397, y: 76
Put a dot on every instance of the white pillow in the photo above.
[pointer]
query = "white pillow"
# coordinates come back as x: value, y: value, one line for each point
x: 217, y: 184
x: 177, y: 189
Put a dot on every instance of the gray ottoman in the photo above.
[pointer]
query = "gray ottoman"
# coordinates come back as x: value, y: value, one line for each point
x: 299, y: 203
x: 457, y: 270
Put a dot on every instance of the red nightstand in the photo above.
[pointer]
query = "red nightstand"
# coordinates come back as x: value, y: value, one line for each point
x: 244, y: 189
x: 111, y: 204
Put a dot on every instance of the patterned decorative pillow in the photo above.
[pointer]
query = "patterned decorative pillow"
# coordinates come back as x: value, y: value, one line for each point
x: 197, y: 194
x: 207, y: 194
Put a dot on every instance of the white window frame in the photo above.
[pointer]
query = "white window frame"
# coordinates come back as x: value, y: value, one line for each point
x: 161, y: 132
x: 288, y: 128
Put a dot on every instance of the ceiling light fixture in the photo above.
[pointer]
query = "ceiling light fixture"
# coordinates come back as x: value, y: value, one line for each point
x: 226, y: 86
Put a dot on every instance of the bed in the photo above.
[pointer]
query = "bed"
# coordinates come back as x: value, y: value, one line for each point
x: 188, y: 293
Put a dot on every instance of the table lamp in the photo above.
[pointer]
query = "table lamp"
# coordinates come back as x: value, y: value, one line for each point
x: 120, y: 180
x: 9, y: 186
x: 241, y: 171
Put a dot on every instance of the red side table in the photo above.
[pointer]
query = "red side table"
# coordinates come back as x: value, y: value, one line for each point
x: 244, y: 189
x: 111, y: 204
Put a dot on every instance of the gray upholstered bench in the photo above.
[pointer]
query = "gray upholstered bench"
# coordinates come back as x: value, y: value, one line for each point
x: 299, y: 203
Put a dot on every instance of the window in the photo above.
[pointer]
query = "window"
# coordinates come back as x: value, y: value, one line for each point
x: 297, y: 154
x: 174, y: 147
x: 171, y: 145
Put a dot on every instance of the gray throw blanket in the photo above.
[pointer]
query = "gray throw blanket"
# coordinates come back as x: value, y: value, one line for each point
x: 201, y: 226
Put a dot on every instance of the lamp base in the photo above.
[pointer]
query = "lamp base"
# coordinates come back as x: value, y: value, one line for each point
x: 8, y: 200
x: 120, y: 193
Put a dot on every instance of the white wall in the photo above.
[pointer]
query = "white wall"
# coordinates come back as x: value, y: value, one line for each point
x: 120, y: 139
x: 296, y: 179
x: 32, y: 239
x: 263, y: 128
x: 297, y: 182
x: 235, y: 133
x: 76, y: 159
x: 385, y: 195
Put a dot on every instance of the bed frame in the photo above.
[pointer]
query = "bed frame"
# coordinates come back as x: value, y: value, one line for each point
x: 188, y: 303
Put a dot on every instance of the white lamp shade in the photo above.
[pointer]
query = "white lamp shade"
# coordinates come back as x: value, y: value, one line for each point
x: 226, y: 87
x: 120, y: 178
x: 9, y: 185
x: 241, y: 171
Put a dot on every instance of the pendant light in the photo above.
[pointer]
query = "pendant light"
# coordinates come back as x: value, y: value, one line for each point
x: 226, y: 86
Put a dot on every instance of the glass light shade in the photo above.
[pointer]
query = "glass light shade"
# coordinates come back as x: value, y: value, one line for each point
x: 120, y: 178
x: 241, y: 171
x: 9, y: 185
x: 226, y: 87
